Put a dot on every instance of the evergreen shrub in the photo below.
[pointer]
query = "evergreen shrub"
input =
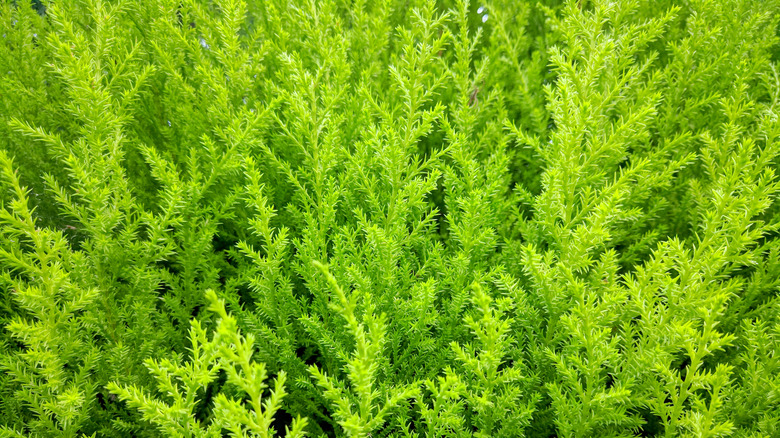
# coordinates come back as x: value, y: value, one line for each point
x: 389, y: 218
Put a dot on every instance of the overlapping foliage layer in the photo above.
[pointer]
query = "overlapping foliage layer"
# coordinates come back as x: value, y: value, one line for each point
x: 406, y: 218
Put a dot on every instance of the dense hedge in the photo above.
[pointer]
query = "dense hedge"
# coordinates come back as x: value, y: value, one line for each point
x: 391, y: 218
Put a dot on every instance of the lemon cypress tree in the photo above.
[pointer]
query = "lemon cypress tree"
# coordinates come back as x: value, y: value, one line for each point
x: 414, y: 218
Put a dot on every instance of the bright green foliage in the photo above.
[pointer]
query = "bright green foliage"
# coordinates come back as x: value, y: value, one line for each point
x: 227, y: 352
x: 411, y: 218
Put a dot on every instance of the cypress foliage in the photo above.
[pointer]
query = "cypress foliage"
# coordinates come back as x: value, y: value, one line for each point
x: 417, y: 218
